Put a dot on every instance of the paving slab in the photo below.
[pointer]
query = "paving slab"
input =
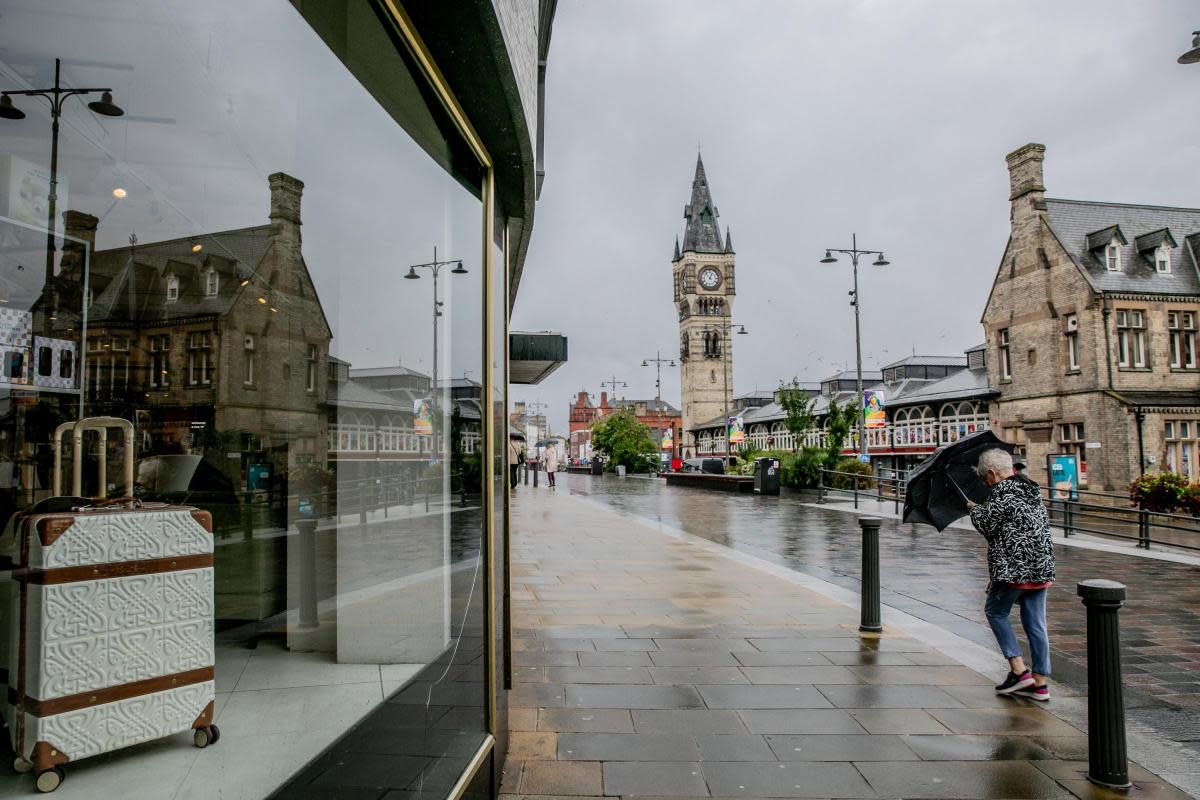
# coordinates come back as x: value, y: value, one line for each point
x: 651, y: 667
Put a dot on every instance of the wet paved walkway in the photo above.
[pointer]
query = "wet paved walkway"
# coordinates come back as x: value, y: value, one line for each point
x: 650, y: 666
x: 939, y: 578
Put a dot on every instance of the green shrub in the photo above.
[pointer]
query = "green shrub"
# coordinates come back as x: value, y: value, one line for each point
x: 802, y: 470
x: 1189, y: 500
x: 1159, y: 491
x: 842, y: 480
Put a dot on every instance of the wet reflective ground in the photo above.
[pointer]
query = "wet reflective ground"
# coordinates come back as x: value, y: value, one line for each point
x: 652, y: 665
x: 941, y: 577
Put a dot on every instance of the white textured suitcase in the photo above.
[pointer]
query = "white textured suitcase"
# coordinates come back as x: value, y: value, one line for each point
x: 112, y: 635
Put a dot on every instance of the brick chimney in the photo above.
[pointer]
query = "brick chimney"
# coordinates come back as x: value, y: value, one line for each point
x: 77, y: 225
x: 285, y: 205
x: 1027, y: 198
x: 603, y: 402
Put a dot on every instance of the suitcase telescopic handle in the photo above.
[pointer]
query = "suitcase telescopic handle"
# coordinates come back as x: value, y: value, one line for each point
x: 101, y: 425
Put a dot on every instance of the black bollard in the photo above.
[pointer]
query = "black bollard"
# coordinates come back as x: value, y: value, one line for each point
x: 870, y: 621
x: 1108, y: 764
x: 535, y: 476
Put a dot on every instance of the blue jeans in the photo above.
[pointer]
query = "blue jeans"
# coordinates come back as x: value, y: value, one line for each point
x: 999, y: 603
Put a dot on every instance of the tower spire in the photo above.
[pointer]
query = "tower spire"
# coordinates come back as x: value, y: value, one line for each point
x: 676, y: 258
x: 702, y: 234
x: 728, y: 239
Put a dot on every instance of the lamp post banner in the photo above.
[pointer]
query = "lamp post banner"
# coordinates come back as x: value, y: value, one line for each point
x: 668, y: 440
x: 873, y: 413
x: 422, y: 417
x: 737, y: 430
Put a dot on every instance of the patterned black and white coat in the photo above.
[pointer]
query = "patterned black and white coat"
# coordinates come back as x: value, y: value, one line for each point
x: 1017, y: 529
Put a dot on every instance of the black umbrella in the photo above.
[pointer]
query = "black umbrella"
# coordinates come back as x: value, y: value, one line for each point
x: 939, y: 487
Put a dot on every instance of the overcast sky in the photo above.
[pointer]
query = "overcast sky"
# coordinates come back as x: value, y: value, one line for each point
x: 818, y: 119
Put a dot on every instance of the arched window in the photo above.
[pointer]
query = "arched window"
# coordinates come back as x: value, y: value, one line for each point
x: 172, y: 288
x: 211, y: 283
x: 708, y: 343
x: 716, y: 343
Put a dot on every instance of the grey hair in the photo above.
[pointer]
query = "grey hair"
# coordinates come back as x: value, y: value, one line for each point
x: 997, y: 460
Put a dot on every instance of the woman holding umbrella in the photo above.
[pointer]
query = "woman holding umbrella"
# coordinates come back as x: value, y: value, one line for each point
x: 1021, y: 568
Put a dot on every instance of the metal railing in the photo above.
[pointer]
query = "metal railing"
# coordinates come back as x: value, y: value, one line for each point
x: 1102, y: 514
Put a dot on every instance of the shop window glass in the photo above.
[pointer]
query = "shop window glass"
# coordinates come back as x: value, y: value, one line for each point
x: 349, y: 604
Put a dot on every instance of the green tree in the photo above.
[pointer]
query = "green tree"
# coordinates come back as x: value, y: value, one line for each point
x: 841, y: 420
x: 623, y: 441
x: 798, y: 405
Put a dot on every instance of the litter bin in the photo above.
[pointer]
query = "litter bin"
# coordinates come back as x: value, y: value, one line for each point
x: 766, y: 476
x: 597, y: 466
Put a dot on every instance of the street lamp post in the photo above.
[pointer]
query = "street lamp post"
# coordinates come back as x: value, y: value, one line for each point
x: 880, y: 261
x: 435, y: 267
x: 56, y: 96
x: 658, y: 362
x: 726, y: 330
x: 613, y: 383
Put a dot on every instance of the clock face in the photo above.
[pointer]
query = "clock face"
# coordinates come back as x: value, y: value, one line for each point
x: 710, y: 278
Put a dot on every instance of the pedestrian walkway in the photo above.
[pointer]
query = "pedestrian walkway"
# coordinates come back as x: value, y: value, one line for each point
x: 649, y: 666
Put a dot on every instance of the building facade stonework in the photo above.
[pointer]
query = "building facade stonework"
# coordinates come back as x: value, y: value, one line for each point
x: 1091, y: 327
x: 704, y: 284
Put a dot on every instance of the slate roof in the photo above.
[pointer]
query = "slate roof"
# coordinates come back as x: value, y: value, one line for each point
x: 129, y: 283
x: 850, y: 375
x: 350, y: 394
x: 1162, y: 398
x: 1074, y: 220
x: 385, y: 372
x: 702, y: 234
x: 962, y: 385
x: 929, y: 361
x: 651, y: 404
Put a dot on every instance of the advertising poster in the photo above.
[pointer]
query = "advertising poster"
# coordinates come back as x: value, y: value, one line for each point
x: 873, y: 412
x: 422, y: 417
x: 737, y: 430
x: 1063, y: 469
x: 668, y: 440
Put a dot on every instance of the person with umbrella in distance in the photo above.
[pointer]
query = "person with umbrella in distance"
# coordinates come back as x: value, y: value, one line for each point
x: 1020, y: 556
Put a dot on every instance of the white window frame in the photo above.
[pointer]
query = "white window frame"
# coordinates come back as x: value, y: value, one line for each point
x: 1072, y: 335
x: 1005, y: 347
x: 248, y: 355
x: 1162, y: 259
x: 1181, y: 447
x: 199, y: 358
x: 310, y: 370
x: 172, y: 289
x: 1181, y: 325
x: 212, y: 283
x: 1131, y: 338
x: 160, y: 360
x: 1072, y: 439
x: 1112, y: 256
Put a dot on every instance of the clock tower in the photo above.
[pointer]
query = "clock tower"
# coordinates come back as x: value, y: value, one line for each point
x: 704, y: 289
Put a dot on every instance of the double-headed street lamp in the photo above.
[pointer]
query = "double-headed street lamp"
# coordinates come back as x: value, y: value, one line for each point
x: 658, y: 362
x: 880, y: 261
x: 56, y: 96
x: 435, y: 267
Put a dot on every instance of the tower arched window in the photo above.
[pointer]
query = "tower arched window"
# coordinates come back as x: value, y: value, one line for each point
x: 716, y: 344
x: 708, y: 343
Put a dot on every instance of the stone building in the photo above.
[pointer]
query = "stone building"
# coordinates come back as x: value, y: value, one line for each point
x: 182, y: 339
x: 656, y: 414
x: 704, y: 288
x: 1091, y: 330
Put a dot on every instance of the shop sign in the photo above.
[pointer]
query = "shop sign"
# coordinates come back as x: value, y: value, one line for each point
x: 1063, y: 469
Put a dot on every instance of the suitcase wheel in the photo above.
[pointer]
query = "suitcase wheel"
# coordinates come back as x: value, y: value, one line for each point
x: 50, y: 779
x: 203, y: 737
x: 22, y: 765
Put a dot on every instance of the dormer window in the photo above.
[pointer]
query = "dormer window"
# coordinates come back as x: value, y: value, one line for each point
x: 211, y: 283
x: 172, y: 289
x: 1162, y: 258
x: 1112, y: 257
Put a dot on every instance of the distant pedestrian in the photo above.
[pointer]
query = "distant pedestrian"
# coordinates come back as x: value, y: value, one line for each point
x: 1020, y: 566
x: 514, y: 460
x: 551, y: 464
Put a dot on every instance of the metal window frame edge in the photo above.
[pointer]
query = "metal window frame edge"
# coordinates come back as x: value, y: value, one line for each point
x: 407, y: 30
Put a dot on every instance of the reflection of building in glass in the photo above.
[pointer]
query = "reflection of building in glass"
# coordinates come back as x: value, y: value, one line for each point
x: 211, y: 343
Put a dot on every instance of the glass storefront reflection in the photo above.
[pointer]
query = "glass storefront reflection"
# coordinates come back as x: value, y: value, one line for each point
x: 230, y: 269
